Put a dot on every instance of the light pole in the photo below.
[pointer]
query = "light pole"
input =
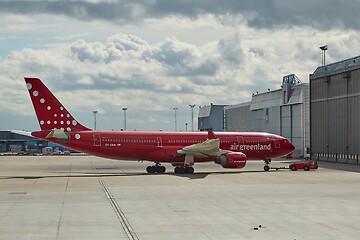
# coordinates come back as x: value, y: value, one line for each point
x: 95, y: 112
x: 192, y: 116
x: 323, y: 49
x: 175, y: 109
x: 124, y: 109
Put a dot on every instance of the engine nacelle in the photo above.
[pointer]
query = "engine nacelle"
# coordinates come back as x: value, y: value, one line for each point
x: 232, y: 160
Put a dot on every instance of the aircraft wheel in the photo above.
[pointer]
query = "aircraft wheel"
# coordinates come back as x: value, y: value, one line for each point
x: 306, y: 168
x: 161, y: 169
x: 293, y: 168
x: 179, y: 170
x: 266, y: 168
x: 155, y: 169
x: 189, y: 170
x: 151, y: 169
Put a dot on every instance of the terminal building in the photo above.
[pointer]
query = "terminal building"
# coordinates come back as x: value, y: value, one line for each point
x: 335, y: 112
x: 16, y: 141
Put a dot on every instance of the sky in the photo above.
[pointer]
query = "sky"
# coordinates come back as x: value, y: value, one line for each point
x: 156, y: 55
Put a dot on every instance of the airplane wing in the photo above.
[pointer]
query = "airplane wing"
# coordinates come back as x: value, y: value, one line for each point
x: 208, y: 148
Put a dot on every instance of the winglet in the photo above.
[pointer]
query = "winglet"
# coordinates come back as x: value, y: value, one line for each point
x: 50, y: 112
x: 211, y: 134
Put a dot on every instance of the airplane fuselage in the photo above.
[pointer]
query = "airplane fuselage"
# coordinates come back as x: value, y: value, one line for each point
x: 160, y: 146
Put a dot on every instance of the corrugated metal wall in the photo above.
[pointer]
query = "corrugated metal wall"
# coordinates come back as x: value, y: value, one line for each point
x: 285, y: 120
x: 307, y: 120
x: 238, y: 119
x: 266, y: 120
x: 335, y: 117
x: 212, y: 118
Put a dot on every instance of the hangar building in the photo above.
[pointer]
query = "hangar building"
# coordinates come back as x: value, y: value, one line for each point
x: 284, y: 112
x: 211, y: 117
x: 335, y: 112
x: 238, y: 117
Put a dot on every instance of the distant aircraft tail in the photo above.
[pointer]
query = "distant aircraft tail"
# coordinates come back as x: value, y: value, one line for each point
x: 50, y: 112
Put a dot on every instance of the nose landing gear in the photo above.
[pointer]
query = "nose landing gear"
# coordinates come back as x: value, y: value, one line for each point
x: 267, y: 167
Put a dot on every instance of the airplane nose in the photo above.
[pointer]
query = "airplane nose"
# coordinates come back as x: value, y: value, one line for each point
x: 292, y: 147
x: 289, y: 146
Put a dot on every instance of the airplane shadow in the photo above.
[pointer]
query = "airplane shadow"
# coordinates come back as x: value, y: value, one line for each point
x: 83, y: 175
x: 196, y: 175
x: 202, y: 175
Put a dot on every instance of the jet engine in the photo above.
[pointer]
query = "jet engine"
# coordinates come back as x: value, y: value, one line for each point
x: 232, y: 160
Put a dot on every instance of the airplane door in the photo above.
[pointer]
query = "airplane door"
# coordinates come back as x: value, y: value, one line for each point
x: 240, y: 140
x: 97, y: 139
x: 276, y: 143
x: 159, y: 141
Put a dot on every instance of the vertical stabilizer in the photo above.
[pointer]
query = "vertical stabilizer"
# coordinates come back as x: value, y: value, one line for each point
x: 50, y: 112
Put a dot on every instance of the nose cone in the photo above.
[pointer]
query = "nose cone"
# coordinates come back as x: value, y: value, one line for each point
x: 282, y: 147
x: 289, y: 146
x: 292, y: 147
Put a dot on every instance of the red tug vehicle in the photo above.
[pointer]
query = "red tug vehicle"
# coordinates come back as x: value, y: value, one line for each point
x: 310, y: 164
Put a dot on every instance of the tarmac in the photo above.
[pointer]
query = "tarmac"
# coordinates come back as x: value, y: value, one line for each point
x: 85, y: 197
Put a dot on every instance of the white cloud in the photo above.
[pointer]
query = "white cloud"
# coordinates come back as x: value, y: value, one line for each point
x: 258, y: 14
x: 123, y: 71
x: 164, y: 63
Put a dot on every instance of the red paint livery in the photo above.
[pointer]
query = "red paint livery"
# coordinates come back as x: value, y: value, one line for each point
x: 182, y: 149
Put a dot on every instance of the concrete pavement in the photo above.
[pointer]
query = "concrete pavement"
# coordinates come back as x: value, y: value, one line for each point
x: 87, y: 197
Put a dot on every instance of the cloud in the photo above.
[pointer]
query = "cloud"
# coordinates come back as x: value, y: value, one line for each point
x: 178, y: 52
x: 124, y: 70
x: 230, y: 49
x: 115, y: 48
x: 152, y: 78
x: 172, y: 52
x: 181, y: 59
x: 321, y: 14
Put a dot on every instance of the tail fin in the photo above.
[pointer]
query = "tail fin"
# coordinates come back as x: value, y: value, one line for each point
x: 50, y: 112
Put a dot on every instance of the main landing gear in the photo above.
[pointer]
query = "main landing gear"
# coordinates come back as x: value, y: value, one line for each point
x: 157, y: 168
x: 267, y: 167
x: 183, y: 169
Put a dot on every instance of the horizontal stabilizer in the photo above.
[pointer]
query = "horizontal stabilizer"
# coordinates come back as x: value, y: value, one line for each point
x: 59, y: 135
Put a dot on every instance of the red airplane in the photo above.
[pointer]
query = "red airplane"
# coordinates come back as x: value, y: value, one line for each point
x: 181, y: 149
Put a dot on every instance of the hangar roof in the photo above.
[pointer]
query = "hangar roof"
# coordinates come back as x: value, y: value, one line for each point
x: 338, y: 67
x: 238, y: 105
x: 276, y: 98
x: 204, y: 111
